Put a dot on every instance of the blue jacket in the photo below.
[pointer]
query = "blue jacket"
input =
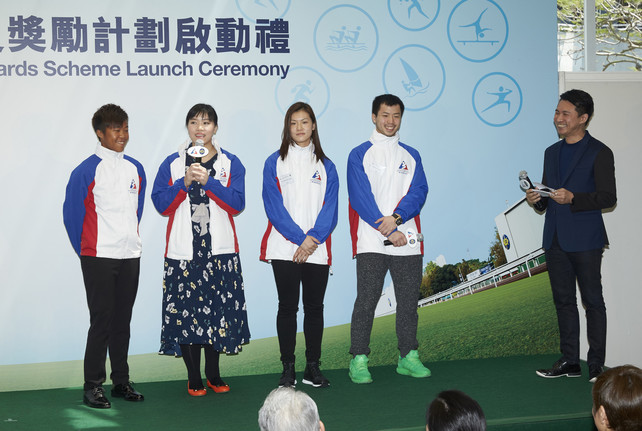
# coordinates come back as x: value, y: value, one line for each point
x: 591, y: 177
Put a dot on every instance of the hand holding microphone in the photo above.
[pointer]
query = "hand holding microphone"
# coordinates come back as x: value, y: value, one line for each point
x: 532, y: 196
x: 196, y: 172
x: 412, y: 238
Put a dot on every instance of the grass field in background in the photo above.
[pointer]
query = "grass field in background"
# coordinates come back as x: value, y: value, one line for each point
x: 514, y: 319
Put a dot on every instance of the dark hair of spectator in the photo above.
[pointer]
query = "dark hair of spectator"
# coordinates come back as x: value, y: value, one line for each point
x: 453, y: 410
x: 619, y: 391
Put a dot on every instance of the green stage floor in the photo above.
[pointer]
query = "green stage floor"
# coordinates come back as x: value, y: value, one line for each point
x: 510, y: 393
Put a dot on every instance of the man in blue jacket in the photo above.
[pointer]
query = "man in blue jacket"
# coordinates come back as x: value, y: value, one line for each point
x: 581, y: 171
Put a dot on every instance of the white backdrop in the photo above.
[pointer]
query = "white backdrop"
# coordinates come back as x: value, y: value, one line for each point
x: 618, y: 103
x: 479, y: 109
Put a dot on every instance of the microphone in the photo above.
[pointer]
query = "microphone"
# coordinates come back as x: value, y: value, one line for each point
x: 198, y: 151
x: 525, y: 183
x: 413, y: 238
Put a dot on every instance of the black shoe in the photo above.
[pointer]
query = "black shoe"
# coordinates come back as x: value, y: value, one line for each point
x: 594, y: 372
x: 288, y: 377
x: 313, y: 376
x: 96, y: 398
x: 561, y: 368
x: 125, y: 390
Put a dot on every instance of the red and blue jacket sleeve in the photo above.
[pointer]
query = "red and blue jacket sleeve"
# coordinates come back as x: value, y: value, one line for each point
x: 231, y: 198
x: 275, y: 210
x: 167, y: 195
x: 410, y: 205
x: 80, y: 185
x: 360, y: 194
x: 327, y: 219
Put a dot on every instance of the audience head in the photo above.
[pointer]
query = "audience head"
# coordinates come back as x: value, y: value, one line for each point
x: 617, y: 399
x: 286, y: 409
x: 453, y: 410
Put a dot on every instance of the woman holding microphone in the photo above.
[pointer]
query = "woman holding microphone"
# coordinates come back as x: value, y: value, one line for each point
x: 200, y: 188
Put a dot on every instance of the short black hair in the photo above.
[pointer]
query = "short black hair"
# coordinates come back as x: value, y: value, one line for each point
x: 453, y: 410
x: 386, y: 99
x: 204, y: 110
x: 108, y: 115
x: 582, y: 101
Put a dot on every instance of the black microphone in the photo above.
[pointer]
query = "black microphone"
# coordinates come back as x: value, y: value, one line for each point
x: 525, y: 183
x: 412, y: 238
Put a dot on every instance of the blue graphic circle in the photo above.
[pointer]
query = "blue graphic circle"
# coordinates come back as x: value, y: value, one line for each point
x: 441, y: 65
x: 318, y: 113
x: 473, y: 59
x: 238, y: 6
x: 520, y: 99
x: 394, y: 18
x: 374, y: 26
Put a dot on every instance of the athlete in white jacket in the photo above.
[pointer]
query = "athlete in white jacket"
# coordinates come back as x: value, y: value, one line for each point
x: 102, y: 209
x: 300, y: 188
x: 387, y: 188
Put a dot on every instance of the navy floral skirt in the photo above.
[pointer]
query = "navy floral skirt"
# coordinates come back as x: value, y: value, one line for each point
x: 204, y: 303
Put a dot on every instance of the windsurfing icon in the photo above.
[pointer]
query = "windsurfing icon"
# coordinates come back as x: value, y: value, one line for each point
x: 479, y: 31
x: 414, y: 85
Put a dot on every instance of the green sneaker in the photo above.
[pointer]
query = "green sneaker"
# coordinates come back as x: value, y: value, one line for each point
x: 359, y: 370
x: 412, y: 366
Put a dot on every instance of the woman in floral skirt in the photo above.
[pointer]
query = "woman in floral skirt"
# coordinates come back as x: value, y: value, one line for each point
x: 203, y: 297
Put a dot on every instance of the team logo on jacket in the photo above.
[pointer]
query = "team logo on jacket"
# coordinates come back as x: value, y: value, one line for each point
x: 133, y: 187
x: 316, y: 177
x: 222, y: 176
x: 403, y: 168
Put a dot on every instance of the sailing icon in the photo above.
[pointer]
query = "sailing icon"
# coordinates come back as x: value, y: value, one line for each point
x: 414, y: 85
x: 480, y: 32
x: 416, y: 74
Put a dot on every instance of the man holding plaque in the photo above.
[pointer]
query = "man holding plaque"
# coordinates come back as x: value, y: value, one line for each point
x: 102, y: 209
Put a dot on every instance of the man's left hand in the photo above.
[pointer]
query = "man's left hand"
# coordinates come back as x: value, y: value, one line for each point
x: 387, y: 226
x: 562, y: 196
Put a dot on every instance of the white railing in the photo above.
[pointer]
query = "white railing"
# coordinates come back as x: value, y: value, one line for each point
x: 492, y: 277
